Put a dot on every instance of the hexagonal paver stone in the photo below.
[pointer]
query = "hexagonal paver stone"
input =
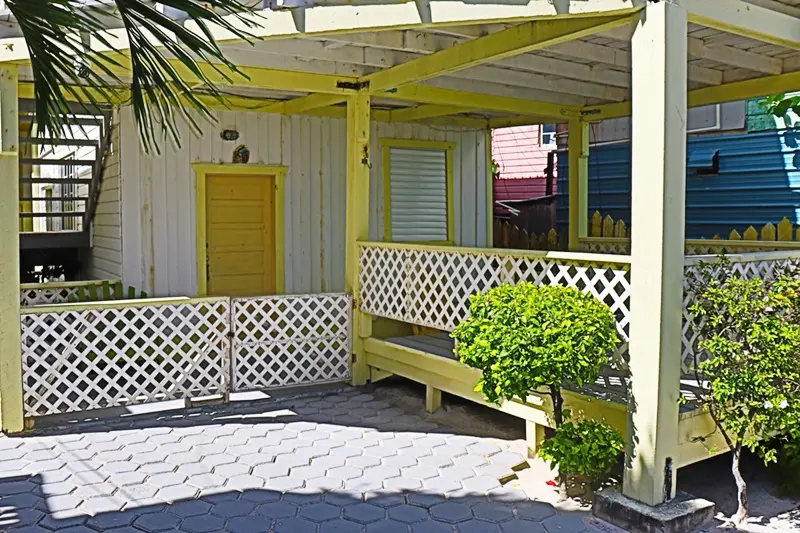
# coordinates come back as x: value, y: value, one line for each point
x: 493, y: 511
x: 402, y: 483
x: 364, y: 513
x: 270, y: 470
x: 483, y: 448
x: 425, y: 499
x: 295, y: 525
x: 436, y: 461
x: 149, y: 457
x: 206, y: 481
x: 508, y: 495
x: 202, y: 524
x: 232, y: 508
x: 98, y: 489
x: 536, y: 511
x: 190, y: 508
x: 174, y: 493
x: 340, y: 526
x: 259, y: 496
x: 276, y: 510
x: 167, y: 479
x: 21, y: 517
x: 249, y: 524
x: 285, y: 483
x: 319, y: 512
x: 477, y: 526
x: 385, y: 499
x: 521, y: 526
x: 154, y: 522
x: 345, y: 472
x: 381, y: 472
x: 156, y: 468
x: 103, y: 504
x: 442, y: 484
x: 431, y: 526
x: 481, y: 483
x: 232, y: 469
x: 105, y: 521
x: 387, y: 526
x: 419, y: 472
x: 245, y: 482
x: 408, y: 513
x: 117, y: 467
x: 451, y: 512
x: 75, y: 529
x: 565, y: 523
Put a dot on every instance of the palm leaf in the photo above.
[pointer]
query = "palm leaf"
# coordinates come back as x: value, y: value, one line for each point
x: 162, y: 54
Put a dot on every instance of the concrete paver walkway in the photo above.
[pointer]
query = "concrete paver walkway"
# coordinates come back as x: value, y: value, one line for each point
x: 333, y: 462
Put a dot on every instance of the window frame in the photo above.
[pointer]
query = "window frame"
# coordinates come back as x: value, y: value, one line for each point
x: 449, y: 149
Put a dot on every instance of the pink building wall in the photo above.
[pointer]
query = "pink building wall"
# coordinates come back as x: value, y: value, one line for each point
x: 521, y: 161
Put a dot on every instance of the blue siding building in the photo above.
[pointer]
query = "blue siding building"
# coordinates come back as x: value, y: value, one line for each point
x: 732, y: 181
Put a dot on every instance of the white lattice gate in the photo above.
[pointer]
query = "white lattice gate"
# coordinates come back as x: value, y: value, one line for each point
x: 291, y: 340
x: 80, y: 357
x: 119, y: 354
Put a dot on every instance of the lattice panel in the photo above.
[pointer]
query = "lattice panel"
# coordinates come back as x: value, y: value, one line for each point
x: 95, y: 358
x: 291, y: 340
x: 745, y: 269
x: 54, y: 295
x: 432, y: 287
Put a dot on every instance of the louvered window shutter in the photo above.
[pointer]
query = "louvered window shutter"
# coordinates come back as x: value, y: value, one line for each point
x: 418, y: 195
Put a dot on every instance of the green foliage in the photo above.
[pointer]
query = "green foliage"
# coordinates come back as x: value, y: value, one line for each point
x: 160, y: 91
x: 526, y: 337
x: 588, y: 448
x: 750, y: 330
x: 779, y: 105
x: 789, y: 471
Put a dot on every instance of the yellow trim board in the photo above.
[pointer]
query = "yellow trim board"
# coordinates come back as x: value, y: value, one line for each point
x: 201, y: 171
x: 448, y: 148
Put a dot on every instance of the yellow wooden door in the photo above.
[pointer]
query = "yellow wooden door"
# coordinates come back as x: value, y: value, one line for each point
x: 240, y: 235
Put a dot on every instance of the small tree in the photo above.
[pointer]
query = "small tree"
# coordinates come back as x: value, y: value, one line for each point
x: 529, y: 338
x: 750, y: 333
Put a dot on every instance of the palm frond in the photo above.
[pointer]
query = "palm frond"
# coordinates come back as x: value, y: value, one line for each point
x: 163, y: 60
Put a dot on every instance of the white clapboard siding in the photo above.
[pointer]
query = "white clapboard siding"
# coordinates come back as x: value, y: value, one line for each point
x: 418, y: 194
x: 105, y: 255
x: 158, y: 208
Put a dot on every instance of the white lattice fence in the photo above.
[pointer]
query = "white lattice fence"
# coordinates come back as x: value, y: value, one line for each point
x: 431, y: 287
x: 763, y: 265
x: 52, y: 293
x: 91, y: 357
x: 290, y: 340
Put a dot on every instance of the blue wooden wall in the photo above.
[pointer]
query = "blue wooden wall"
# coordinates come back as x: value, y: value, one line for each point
x: 758, y: 182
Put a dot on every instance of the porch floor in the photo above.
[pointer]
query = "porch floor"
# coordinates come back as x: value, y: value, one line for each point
x: 328, y: 462
x: 610, y: 385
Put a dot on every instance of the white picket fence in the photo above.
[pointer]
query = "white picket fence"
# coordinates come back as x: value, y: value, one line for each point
x: 78, y: 357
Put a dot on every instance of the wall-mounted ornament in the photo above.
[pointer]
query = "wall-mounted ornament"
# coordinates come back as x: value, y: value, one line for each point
x: 241, y: 154
x: 229, y: 135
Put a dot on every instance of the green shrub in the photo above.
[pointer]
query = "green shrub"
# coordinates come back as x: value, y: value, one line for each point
x: 526, y: 337
x: 750, y: 331
x: 588, y: 449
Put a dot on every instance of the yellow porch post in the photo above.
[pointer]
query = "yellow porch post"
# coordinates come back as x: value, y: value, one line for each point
x: 578, y: 154
x: 659, y: 51
x: 358, y: 158
x: 11, y: 418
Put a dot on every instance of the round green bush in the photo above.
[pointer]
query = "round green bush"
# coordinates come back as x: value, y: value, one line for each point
x: 525, y: 337
x: 588, y: 449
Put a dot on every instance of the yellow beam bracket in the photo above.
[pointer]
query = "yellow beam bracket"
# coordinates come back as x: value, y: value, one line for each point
x: 519, y: 39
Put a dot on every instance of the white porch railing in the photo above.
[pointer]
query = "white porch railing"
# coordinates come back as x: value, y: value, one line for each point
x: 84, y: 356
x: 55, y: 293
x: 692, y: 247
x: 430, y: 286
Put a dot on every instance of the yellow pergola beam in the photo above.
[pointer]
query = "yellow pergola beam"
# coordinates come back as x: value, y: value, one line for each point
x: 420, y: 112
x: 516, y: 40
x: 305, y: 104
x: 425, y: 94
x: 522, y: 120
x: 745, y: 19
x: 729, y: 92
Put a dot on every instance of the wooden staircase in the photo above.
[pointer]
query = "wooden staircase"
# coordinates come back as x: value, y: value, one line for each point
x: 60, y: 180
